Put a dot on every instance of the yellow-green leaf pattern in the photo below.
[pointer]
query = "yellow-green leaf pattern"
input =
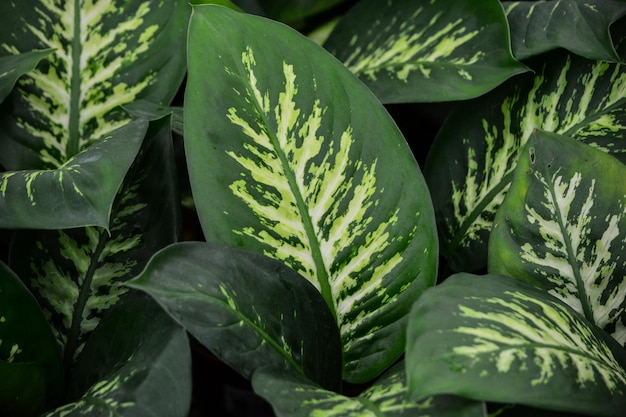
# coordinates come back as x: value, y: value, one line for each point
x: 480, y: 145
x: 562, y: 228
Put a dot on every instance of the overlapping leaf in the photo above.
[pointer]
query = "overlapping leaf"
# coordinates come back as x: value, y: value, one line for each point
x: 500, y: 339
x: 77, y: 274
x: 30, y: 361
x: 293, y: 396
x: 581, y: 26
x: 470, y: 165
x: 291, y: 156
x: 562, y: 227
x: 250, y: 310
x: 442, y: 50
x: 14, y: 66
x: 73, y: 98
x: 143, y: 371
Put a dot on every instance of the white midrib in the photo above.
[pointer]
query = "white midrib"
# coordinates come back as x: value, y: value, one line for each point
x: 74, y: 131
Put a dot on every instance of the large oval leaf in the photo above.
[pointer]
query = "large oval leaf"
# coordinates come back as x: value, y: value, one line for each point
x: 291, y: 156
x: 471, y: 162
x: 30, y: 360
x: 107, y: 53
x: 500, y: 339
x: 441, y: 50
x: 250, y: 310
x: 562, y: 227
x: 137, y: 364
x: 581, y: 26
x: 294, y: 396
x: 78, y: 274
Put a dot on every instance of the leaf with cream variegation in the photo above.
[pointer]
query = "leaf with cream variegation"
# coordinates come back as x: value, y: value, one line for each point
x: 279, y: 165
x: 562, y: 227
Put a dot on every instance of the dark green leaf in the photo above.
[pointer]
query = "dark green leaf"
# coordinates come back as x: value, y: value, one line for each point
x: 471, y: 163
x: 500, y: 339
x: 137, y: 363
x: 30, y: 360
x: 107, y: 53
x: 291, y: 156
x: 441, y: 50
x: 293, y: 10
x: 581, y: 26
x: 78, y: 193
x: 248, y: 309
x: 77, y: 274
x: 295, y: 396
x: 13, y: 67
x: 562, y: 227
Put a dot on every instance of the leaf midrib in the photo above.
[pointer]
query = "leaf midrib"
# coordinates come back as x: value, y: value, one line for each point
x: 73, y: 145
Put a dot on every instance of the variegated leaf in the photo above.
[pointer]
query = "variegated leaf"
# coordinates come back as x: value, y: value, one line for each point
x: 562, y: 227
x: 137, y: 364
x: 250, y: 310
x: 13, y: 67
x: 78, y: 274
x: 30, y: 362
x: 106, y: 53
x: 581, y: 26
x: 294, y: 396
x: 500, y: 339
x: 440, y: 50
x: 291, y: 156
x: 78, y: 193
x: 471, y: 163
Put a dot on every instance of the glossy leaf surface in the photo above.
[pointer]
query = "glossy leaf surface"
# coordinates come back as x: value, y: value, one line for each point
x: 78, y: 274
x: 30, y: 361
x: 412, y: 51
x: 107, y: 53
x: 562, y: 227
x: 291, y: 156
x: 500, y: 339
x: 249, y: 310
x: 136, y: 364
x: 14, y: 66
x: 580, y: 26
x: 79, y: 193
x: 293, y: 396
x: 471, y: 163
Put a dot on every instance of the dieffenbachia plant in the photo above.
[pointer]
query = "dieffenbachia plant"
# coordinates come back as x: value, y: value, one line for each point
x: 472, y: 160
x: 442, y: 50
x: 95, y: 187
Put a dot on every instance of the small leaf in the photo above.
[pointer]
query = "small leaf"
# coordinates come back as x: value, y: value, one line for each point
x: 290, y: 156
x: 106, y: 54
x: 13, y: 67
x: 248, y: 309
x: 30, y: 361
x: 500, y: 339
x: 79, y: 193
x: 471, y: 162
x: 294, y: 396
x: 441, y: 50
x: 562, y: 227
x: 581, y: 26
x: 137, y: 364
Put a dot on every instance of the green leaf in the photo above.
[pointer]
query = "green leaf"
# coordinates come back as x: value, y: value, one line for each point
x: 30, y: 361
x: 581, y: 26
x: 13, y: 67
x: 562, y: 227
x: 471, y: 162
x: 78, y: 274
x: 248, y: 309
x: 411, y: 51
x: 79, y: 193
x: 107, y: 53
x: 294, y: 10
x: 500, y: 339
x: 295, y: 396
x: 291, y: 156
x: 136, y: 364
